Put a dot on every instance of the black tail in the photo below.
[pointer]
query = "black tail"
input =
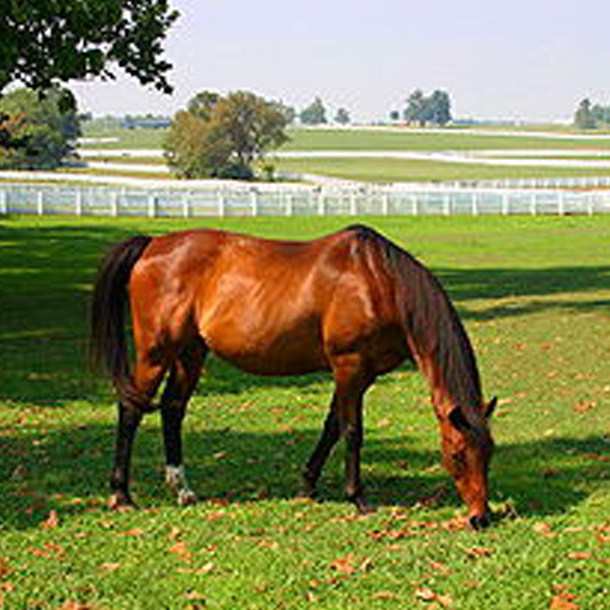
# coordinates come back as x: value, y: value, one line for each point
x: 108, y: 347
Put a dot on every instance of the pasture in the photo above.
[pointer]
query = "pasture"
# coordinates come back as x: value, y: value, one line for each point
x: 390, y: 170
x: 534, y: 294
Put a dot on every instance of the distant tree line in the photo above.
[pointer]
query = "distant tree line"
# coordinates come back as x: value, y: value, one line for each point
x: 591, y: 116
x: 421, y: 109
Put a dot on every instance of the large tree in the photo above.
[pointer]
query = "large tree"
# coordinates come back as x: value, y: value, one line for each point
x: 46, y: 42
x: 224, y: 136
x: 37, y: 131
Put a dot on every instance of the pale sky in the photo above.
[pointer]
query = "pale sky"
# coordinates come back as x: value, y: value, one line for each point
x: 519, y: 59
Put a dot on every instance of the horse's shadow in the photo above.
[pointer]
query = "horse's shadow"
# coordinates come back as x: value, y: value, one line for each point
x: 68, y: 471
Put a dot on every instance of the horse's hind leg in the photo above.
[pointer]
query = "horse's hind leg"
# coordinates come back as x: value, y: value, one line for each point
x: 181, y: 384
x: 134, y: 402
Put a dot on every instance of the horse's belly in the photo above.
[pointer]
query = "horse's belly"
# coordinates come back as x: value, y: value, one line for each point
x: 295, y: 351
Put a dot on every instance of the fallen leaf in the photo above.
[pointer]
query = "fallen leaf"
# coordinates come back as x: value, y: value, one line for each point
x: 425, y: 594
x: 181, y: 551
x: 194, y: 596
x: 445, y: 600
x: 110, y: 567
x: 133, y: 532
x: 476, y: 552
x: 584, y: 405
x: 384, y: 595
x: 5, y: 569
x: 439, y: 567
x: 72, y: 605
x: 544, y: 529
x: 344, y: 565
x: 174, y: 533
x: 51, y: 522
x: 563, y: 601
x: 206, y: 568
x: 579, y: 555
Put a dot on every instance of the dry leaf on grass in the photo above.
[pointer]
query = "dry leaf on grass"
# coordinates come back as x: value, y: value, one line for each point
x: 51, y: 522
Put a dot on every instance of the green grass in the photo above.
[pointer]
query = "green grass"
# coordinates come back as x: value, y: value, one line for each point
x: 535, y: 296
x: 398, y: 170
x: 391, y: 170
x: 328, y: 139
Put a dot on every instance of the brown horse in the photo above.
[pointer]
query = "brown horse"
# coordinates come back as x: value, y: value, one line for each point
x: 351, y: 303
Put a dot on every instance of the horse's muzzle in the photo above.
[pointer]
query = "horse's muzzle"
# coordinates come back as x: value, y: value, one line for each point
x: 480, y: 522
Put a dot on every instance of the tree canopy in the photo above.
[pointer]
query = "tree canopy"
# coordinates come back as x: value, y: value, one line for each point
x: 314, y: 114
x: 422, y: 109
x: 46, y: 42
x: 591, y: 116
x: 37, y: 131
x: 224, y: 136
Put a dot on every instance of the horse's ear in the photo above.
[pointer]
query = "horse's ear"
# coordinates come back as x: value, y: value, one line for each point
x: 456, y: 417
x: 491, y: 407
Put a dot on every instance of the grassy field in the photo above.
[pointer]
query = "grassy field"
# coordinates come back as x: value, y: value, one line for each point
x: 389, y: 170
x: 398, y: 170
x: 535, y: 296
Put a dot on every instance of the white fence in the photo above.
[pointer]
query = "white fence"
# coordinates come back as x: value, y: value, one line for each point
x: 294, y: 200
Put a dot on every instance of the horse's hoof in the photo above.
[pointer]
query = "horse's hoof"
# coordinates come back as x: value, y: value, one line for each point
x: 121, y: 503
x: 187, y: 497
x: 363, y: 507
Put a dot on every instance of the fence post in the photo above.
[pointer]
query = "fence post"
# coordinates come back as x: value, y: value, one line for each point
x: 114, y: 204
x: 353, y: 205
x: 221, y: 203
x: 385, y: 204
x: 415, y: 205
x: 3, y: 202
x: 78, y: 203
x: 505, y: 204
x: 289, y: 205
x: 533, y: 208
x: 186, y: 208
x: 446, y: 204
x: 561, y: 207
x: 152, y: 206
x: 321, y: 203
x: 40, y: 203
x: 475, y: 203
x: 254, y: 202
x: 590, y: 203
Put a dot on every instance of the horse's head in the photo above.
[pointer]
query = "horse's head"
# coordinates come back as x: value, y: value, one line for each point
x: 467, y: 450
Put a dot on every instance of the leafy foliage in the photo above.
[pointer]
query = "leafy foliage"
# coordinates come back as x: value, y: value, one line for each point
x: 37, y: 131
x: 314, y: 114
x: 224, y: 136
x: 44, y: 42
x: 422, y: 109
x: 342, y: 117
x: 591, y: 116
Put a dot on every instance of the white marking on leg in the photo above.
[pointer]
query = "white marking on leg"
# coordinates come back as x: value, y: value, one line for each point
x: 175, y: 478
